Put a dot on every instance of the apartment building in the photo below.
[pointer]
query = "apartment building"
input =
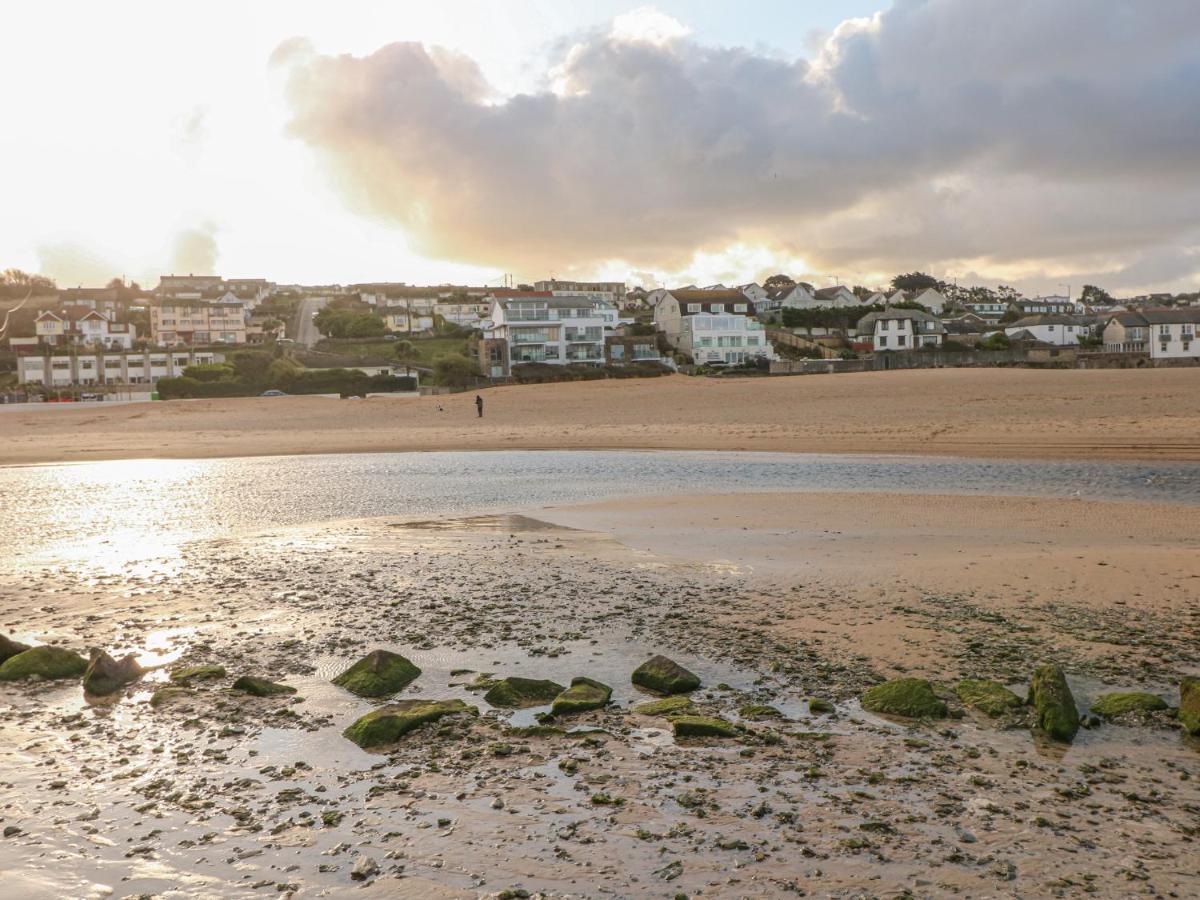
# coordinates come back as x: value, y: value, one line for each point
x: 88, y: 369
x: 175, y: 321
x: 536, y: 326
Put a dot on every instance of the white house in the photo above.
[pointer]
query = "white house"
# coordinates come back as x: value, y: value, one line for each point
x: 991, y: 311
x: 712, y: 326
x: 754, y: 292
x: 930, y: 298
x: 901, y: 329
x: 1053, y: 305
x: 1162, y: 333
x: 1061, y: 331
x: 79, y: 325
x: 536, y: 326
x: 87, y: 369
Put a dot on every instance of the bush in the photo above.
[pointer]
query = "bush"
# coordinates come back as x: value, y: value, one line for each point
x: 210, y: 372
x: 996, y: 341
x: 339, y: 322
x: 453, y: 370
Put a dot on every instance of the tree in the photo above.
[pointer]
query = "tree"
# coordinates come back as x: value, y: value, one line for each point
x: 915, y: 281
x: 780, y: 280
x: 1009, y: 317
x: 862, y: 292
x: 404, y: 350
x: 997, y: 340
x: 453, y: 370
x: 1093, y: 295
x: 281, y: 373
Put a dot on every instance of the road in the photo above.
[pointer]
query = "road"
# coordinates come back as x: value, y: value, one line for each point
x: 303, y: 331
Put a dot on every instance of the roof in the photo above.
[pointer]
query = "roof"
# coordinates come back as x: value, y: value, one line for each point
x: 548, y: 300
x: 830, y: 291
x: 912, y: 315
x: 1044, y: 319
x: 1188, y: 316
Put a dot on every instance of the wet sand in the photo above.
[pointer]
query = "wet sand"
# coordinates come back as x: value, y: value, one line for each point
x: 771, y: 599
x: 992, y: 413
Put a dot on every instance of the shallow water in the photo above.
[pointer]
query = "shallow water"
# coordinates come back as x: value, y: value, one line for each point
x: 114, y: 513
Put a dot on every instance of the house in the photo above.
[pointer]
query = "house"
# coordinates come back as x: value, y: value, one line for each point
x: 463, y: 311
x: 754, y: 292
x: 1161, y: 333
x: 187, y: 287
x: 991, y: 311
x: 409, y: 318
x: 81, y: 325
x: 1053, y: 305
x: 85, y: 369
x: 968, y: 329
x: 712, y: 326
x: 930, y: 298
x: 536, y: 326
x: 175, y: 320
x: 836, y: 297
x: 624, y: 348
x: 1048, y: 328
x: 901, y: 329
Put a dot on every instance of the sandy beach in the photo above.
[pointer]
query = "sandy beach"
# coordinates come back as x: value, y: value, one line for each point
x: 1000, y: 413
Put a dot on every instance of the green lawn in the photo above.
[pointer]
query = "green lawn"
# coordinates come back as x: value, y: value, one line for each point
x: 425, y: 350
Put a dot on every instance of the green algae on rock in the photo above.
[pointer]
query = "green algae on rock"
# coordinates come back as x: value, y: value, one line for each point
x: 702, y: 726
x: 583, y: 694
x: 48, y: 663
x: 664, y: 676
x: 168, y: 694
x: 261, y: 687
x: 665, y: 707
x: 911, y: 698
x: 1054, y: 705
x: 388, y: 724
x: 188, y: 674
x: 106, y: 675
x: 989, y: 697
x: 378, y: 674
x: 1189, y: 705
x: 1109, y: 706
x: 759, y: 711
x: 10, y: 648
x: 818, y: 706
x: 520, y: 693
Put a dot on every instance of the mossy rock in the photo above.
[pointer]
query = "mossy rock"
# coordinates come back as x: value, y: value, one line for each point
x: 520, y: 693
x: 380, y: 673
x: 818, y: 706
x: 1109, y: 706
x: 168, y: 694
x: 106, y: 675
x: 388, y: 724
x: 47, y: 663
x: 583, y: 694
x: 188, y: 674
x: 702, y: 726
x: 664, y: 676
x: 1054, y: 707
x: 759, y: 711
x: 911, y: 698
x: 1189, y: 705
x: 261, y: 687
x: 10, y: 648
x: 665, y: 707
x: 989, y: 697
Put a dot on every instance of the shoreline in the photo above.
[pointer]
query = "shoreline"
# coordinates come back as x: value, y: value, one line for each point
x: 1097, y: 415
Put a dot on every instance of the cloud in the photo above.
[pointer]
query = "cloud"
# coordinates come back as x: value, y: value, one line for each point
x: 194, y: 251
x: 71, y: 264
x: 996, y: 135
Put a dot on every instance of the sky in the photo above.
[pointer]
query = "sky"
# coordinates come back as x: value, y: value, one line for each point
x: 1042, y: 145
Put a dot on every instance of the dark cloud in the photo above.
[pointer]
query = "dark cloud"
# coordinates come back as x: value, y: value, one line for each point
x: 1004, y: 132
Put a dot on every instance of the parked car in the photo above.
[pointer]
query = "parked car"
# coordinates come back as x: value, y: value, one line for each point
x: 272, y: 393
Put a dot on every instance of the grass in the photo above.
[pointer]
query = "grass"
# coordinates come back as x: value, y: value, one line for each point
x: 425, y: 349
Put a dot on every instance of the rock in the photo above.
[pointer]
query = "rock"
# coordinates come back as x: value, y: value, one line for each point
x: 702, y: 726
x: 378, y: 674
x: 168, y: 694
x: 260, y: 687
x: 912, y: 698
x: 664, y: 707
x: 188, y: 674
x: 582, y: 695
x: 520, y: 693
x: 989, y: 697
x: 1053, y: 703
x: 364, y: 868
x: 1109, y: 706
x: 1189, y: 705
x: 45, y: 662
x: 759, y: 711
x: 9, y: 647
x: 11, y: 831
x: 388, y: 724
x: 664, y: 676
x: 818, y: 707
x: 106, y: 675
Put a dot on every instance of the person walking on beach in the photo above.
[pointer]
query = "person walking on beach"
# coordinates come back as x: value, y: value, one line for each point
x: 479, y: 405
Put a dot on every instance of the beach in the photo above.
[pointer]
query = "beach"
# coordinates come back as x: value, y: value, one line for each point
x: 984, y: 413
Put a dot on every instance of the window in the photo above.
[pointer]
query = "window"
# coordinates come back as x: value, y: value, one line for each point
x: 693, y: 307
x: 1164, y: 331
x: 883, y: 340
x: 617, y: 351
x: 902, y: 341
x: 739, y: 307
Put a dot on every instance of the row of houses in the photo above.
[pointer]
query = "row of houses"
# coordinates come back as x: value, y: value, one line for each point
x: 109, y: 369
